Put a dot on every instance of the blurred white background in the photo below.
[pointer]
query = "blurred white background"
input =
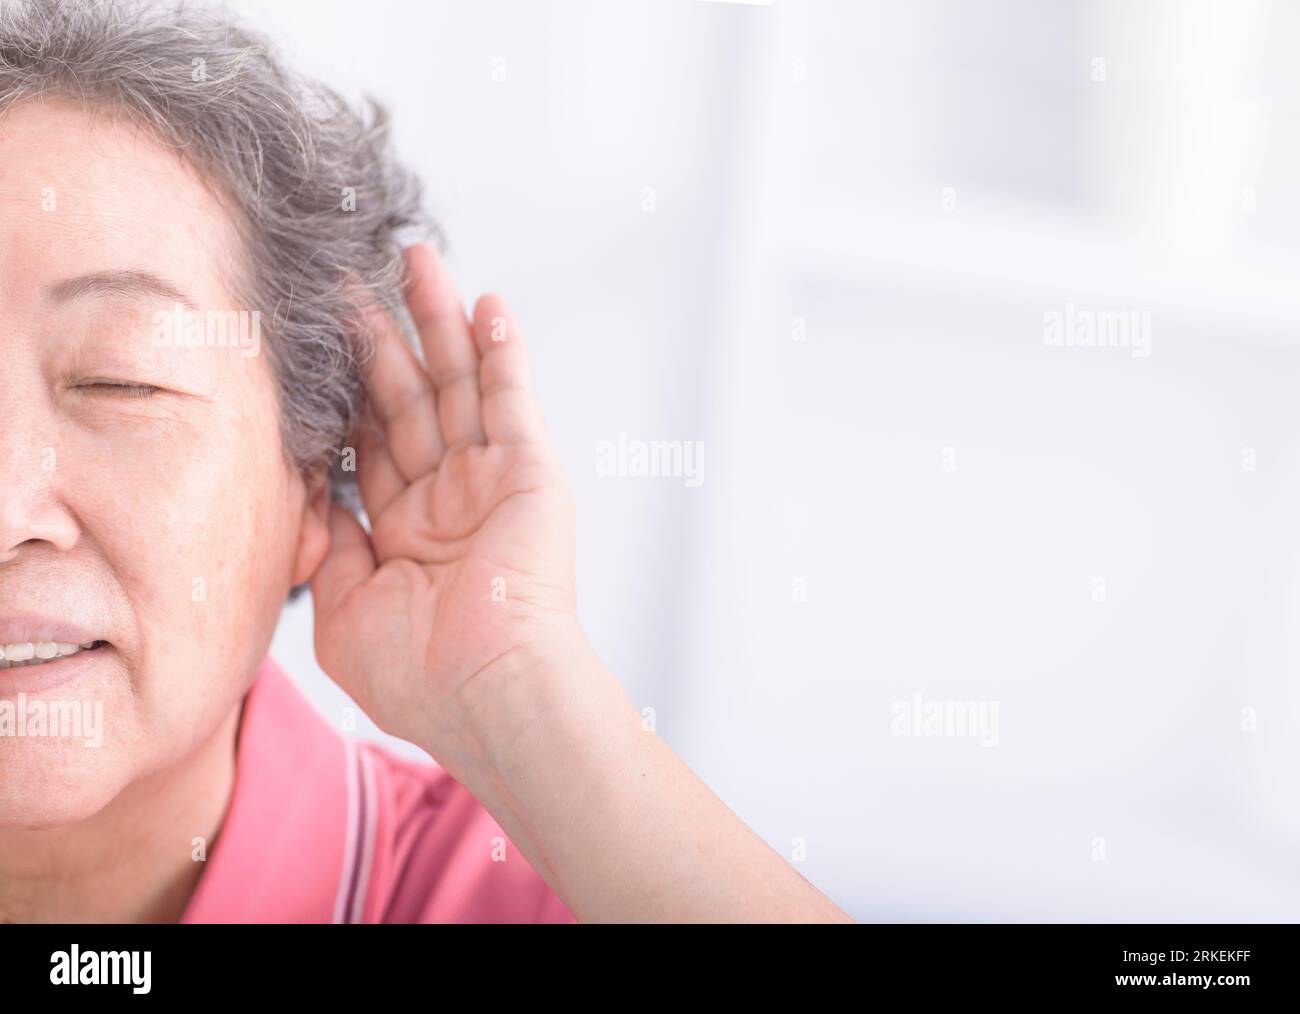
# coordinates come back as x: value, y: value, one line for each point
x: 822, y: 238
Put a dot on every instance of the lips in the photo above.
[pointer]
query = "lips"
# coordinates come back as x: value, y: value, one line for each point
x: 43, y: 676
x: 20, y: 654
x: 39, y: 638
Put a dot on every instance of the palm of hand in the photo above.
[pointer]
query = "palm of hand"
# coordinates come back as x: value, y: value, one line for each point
x: 470, y: 555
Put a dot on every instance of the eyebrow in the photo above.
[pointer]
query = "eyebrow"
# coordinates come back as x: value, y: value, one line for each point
x: 117, y: 283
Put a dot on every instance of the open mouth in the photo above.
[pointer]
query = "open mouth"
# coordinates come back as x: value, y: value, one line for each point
x: 20, y: 654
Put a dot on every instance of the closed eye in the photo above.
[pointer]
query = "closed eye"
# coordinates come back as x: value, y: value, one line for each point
x: 115, y: 389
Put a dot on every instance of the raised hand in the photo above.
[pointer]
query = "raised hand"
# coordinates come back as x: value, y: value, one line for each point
x: 470, y: 557
x: 453, y: 625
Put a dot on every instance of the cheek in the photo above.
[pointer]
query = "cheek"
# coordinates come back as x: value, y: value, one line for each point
x: 196, y: 515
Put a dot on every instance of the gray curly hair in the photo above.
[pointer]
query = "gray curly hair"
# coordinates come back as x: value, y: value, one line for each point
x: 282, y: 149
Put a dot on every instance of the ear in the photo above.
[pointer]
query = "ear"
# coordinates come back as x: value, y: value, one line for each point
x: 313, y: 531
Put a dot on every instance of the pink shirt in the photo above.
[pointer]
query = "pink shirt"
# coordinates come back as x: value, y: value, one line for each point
x: 324, y: 828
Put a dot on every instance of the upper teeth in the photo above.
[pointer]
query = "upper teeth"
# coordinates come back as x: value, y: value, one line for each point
x: 20, y: 653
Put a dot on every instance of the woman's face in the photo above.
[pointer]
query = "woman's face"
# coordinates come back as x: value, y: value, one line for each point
x: 145, y: 500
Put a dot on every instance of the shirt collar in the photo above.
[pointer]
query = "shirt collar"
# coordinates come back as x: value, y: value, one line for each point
x: 280, y: 853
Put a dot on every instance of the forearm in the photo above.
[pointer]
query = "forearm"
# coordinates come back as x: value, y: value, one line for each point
x: 619, y: 827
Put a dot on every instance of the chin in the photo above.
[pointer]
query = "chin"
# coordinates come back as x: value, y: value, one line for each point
x: 46, y: 784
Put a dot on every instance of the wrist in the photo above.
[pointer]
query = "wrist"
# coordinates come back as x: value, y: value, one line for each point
x: 554, y: 736
x: 529, y: 704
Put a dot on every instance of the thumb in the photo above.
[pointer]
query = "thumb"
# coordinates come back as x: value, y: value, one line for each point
x: 349, y: 562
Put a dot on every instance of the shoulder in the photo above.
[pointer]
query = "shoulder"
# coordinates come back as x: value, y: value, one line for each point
x: 437, y: 854
x: 325, y: 828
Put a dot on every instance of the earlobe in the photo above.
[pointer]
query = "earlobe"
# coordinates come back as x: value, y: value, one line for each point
x: 313, y: 534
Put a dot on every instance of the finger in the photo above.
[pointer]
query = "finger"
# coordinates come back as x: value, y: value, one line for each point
x: 402, y: 399
x: 449, y: 351
x: 378, y: 477
x: 510, y: 411
x: 349, y: 562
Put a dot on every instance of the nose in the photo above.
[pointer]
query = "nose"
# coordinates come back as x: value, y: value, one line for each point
x: 31, y: 512
x: 34, y: 512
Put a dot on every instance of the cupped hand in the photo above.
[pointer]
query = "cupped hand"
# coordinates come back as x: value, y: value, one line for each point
x: 470, y: 558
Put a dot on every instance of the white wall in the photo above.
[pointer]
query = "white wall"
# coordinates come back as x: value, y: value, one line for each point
x: 918, y: 184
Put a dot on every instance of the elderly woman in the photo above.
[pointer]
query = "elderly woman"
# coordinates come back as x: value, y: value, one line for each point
x: 205, y: 301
